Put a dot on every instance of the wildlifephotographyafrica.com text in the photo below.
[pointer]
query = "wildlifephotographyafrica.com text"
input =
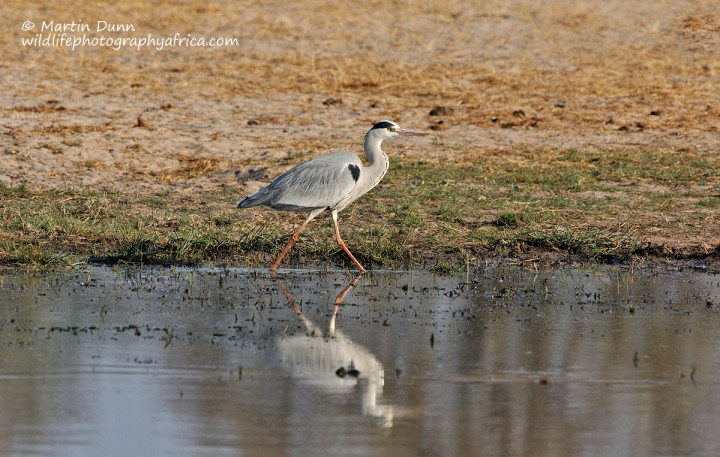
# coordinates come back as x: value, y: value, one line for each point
x: 78, y: 34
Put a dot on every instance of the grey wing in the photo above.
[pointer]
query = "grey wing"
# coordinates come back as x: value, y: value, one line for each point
x: 318, y: 183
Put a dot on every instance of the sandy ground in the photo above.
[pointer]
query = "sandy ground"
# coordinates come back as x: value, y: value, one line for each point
x: 313, y: 76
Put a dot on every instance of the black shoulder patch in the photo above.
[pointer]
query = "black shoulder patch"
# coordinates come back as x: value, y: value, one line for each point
x: 382, y: 125
x: 354, y: 171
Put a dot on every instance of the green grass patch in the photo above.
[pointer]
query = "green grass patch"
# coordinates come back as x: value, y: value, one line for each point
x: 598, y: 205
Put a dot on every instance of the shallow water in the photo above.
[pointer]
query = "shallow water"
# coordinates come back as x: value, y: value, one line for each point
x: 575, y: 362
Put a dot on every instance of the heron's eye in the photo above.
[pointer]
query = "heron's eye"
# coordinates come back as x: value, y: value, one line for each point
x: 391, y: 129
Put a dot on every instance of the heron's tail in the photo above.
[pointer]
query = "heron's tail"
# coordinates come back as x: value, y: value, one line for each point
x: 248, y: 201
x: 259, y: 198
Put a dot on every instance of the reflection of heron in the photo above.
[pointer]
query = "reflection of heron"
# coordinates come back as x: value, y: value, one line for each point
x: 333, y: 362
x: 331, y: 181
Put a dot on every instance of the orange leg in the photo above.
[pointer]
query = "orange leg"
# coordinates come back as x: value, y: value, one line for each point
x: 342, y: 243
x: 294, y: 238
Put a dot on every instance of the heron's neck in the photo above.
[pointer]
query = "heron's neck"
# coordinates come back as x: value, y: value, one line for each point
x: 375, y: 156
x: 378, y: 162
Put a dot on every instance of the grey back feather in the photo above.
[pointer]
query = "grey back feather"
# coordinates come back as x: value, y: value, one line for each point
x: 322, y: 182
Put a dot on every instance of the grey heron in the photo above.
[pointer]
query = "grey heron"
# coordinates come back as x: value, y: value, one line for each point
x: 329, y: 182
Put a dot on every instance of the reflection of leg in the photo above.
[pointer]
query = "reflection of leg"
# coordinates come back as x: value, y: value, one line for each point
x: 294, y: 238
x: 341, y: 296
x: 342, y: 243
x: 290, y: 298
x: 339, y: 299
x: 291, y: 301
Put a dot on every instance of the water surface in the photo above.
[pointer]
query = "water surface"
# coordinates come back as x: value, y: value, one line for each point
x: 575, y: 362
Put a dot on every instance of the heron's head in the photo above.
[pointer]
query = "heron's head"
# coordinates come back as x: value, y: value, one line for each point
x: 384, y: 130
